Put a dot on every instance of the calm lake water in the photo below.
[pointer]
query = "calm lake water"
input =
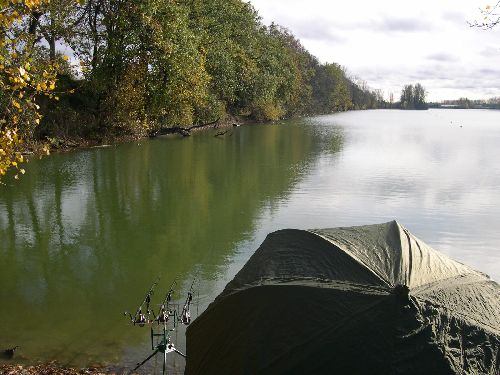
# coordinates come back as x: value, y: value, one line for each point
x: 84, y: 234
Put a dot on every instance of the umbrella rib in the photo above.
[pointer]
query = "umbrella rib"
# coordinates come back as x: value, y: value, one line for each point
x: 408, y: 268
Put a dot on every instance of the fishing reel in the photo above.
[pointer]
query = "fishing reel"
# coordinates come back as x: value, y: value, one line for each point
x: 140, y: 319
x: 185, y: 317
x: 167, y: 319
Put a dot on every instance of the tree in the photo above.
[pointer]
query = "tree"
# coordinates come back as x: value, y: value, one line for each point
x: 332, y: 89
x: 298, y: 100
x: 407, y: 97
x: 379, y: 97
x: 419, y: 94
x: 55, y: 21
x: 25, y: 75
x: 155, y: 63
x: 229, y: 34
x: 175, y: 63
x: 490, y: 17
x: 413, y: 97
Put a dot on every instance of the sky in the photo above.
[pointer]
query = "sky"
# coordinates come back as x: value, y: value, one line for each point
x: 391, y: 43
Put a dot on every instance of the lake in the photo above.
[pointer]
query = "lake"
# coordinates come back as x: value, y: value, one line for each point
x: 83, y: 235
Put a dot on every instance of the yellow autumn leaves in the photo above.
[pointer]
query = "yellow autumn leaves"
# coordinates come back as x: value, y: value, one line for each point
x: 9, y: 156
x: 21, y: 81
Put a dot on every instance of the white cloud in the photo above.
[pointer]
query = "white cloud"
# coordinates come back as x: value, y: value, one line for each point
x: 442, y: 56
x: 391, y: 43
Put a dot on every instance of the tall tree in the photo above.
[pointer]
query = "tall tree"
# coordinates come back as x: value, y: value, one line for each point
x: 152, y: 63
x: 413, y: 97
x: 407, y: 97
x: 419, y: 94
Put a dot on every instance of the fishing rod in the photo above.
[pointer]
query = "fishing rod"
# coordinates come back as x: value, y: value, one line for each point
x: 164, y: 312
x: 139, y: 317
x: 186, y: 310
x: 163, y: 338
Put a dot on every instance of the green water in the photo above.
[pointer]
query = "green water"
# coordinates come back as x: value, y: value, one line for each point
x: 84, y: 234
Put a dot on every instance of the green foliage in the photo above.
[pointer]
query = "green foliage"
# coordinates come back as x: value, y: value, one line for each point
x: 145, y: 64
x: 177, y: 81
x: 24, y: 76
x: 125, y: 104
x: 332, y: 89
x: 297, y: 72
x: 202, y: 59
x: 229, y: 34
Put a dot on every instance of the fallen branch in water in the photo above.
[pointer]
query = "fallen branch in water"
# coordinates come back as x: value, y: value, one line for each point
x: 220, y: 134
x: 185, y: 132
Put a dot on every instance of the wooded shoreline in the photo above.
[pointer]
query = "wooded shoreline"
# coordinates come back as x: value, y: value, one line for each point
x: 137, y: 67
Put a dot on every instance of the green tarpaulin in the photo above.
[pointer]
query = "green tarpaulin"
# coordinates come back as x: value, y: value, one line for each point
x: 361, y: 300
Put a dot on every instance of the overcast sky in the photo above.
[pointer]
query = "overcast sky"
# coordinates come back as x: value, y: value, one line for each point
x: 390, y: 43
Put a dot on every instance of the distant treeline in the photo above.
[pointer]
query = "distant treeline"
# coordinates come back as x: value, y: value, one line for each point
x: 412, y: 98
x: 464, y: 103
x: 146, y: 64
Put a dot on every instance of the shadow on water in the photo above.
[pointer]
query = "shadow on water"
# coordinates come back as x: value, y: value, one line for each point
x: 84, y: 234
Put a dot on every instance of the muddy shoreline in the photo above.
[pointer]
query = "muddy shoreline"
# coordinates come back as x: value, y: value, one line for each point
x: 63, y: 144
x: 50, y: 368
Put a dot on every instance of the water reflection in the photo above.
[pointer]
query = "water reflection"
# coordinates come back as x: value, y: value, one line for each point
x: 84, y: 234
x: 435, y: 171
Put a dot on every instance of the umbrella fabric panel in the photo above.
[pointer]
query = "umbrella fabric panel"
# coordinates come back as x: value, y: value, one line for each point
x: 423, y: 265
x: 299, y: 330
x: 377, y: 247
x: 371, y: 299
x: 291, y: 254
x: 392, y: 252
x: 469, y: 348
x: 471, y: 298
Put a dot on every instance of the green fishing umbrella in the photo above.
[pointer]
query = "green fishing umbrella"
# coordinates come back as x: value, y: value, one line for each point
x: 361, y: 300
